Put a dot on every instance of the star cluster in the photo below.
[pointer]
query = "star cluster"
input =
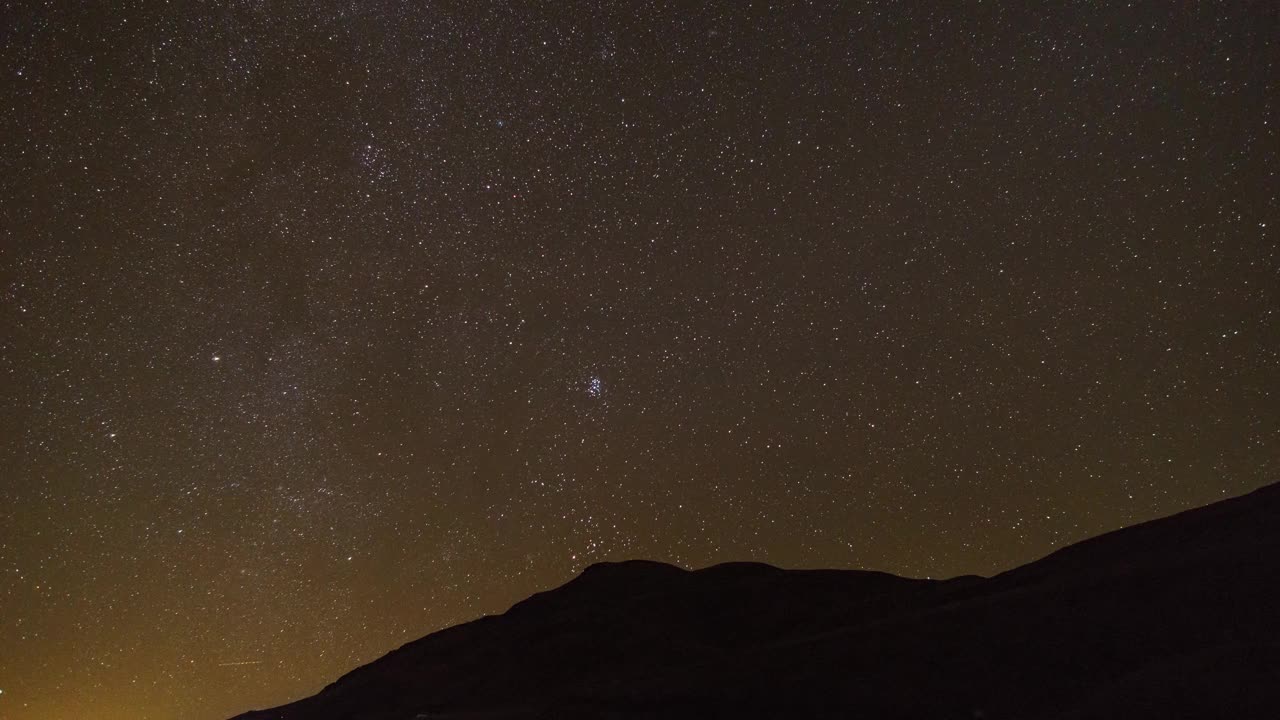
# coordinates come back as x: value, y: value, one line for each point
x: 325, y: 325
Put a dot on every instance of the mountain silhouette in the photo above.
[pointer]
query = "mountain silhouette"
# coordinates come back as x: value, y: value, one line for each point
x: 1174, y: 618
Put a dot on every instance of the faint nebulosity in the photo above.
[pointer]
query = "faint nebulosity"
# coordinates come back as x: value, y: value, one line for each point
x: 325, y: 325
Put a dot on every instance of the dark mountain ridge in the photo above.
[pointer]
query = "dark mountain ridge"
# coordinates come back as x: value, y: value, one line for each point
x: 1178, y: 617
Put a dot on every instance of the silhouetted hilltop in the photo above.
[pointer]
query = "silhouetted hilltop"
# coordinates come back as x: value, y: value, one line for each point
x: 1179, y: 617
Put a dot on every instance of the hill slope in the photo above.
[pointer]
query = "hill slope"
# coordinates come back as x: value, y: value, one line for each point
x: 1179, y: 617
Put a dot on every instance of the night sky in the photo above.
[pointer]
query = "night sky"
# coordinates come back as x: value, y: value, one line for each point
x: 325, y: 325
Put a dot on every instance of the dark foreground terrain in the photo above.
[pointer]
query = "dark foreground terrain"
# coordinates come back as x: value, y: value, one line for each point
x: 1175, y: 618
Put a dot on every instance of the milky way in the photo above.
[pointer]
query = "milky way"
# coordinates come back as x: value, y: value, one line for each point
x: 325, y: 325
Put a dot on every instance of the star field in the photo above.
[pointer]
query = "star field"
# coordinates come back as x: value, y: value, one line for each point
x: 325, y: 325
